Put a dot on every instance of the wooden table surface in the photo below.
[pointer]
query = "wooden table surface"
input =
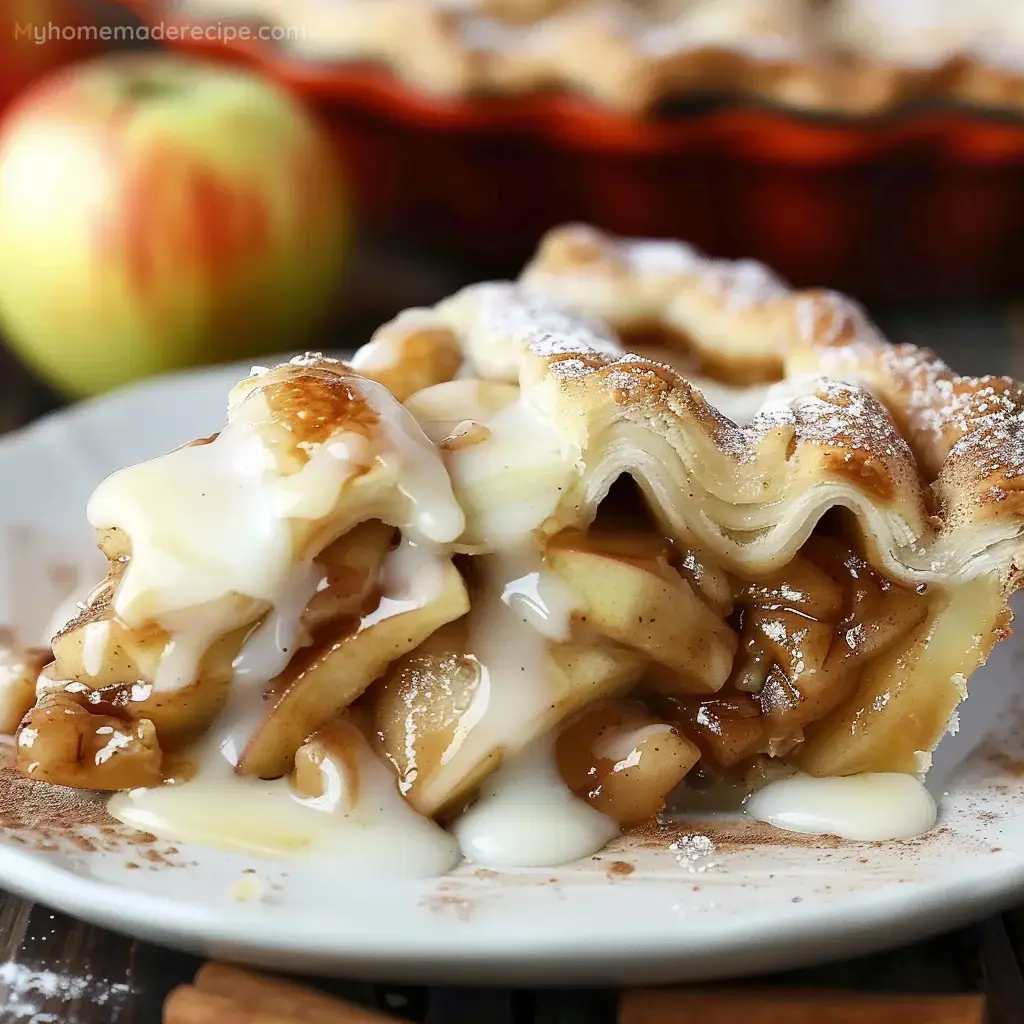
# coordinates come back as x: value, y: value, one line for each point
x: 54, y: 970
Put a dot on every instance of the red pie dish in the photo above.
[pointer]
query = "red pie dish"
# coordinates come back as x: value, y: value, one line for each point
x: 892, y: 182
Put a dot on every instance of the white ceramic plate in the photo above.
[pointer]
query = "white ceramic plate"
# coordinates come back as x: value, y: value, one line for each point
x: 692, y: 902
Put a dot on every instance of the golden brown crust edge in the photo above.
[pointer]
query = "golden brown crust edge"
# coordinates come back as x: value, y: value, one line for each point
x: 967, y: 433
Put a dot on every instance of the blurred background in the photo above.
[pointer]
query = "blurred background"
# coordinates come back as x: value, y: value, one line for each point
x: 190, y: 181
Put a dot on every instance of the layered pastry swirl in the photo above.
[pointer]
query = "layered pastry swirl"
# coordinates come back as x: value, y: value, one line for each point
x: 642, y: 530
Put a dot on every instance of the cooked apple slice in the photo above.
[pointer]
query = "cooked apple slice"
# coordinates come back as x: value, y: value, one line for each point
x: 19, y: 670
x: 643, y: 603
x: 339, y: 745
x: 324, y: 679
x: 903, y: 700
x: 727, y: 728
x: 178, y: 715
x: 419, y: 704
x: 122, y: 665
x: 98, y: 650
x: 351, y: 568
x: 419, y: 701
x: 623, y: 761
x: 62, y: 742
x: 417, y: 707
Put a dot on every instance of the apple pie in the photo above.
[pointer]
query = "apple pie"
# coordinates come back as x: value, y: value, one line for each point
x: 850, y: 56
x: 639, y: 531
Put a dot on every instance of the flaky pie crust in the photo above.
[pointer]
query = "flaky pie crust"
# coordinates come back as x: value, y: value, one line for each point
x: 798, y: 407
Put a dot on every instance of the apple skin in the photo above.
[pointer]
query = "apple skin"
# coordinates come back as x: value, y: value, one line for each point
x: 158, y: 212
x: 22, y: 59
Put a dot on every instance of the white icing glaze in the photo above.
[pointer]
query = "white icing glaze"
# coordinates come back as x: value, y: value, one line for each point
x: 94, y: 646
x: 377, y: 832
x: 526, y: 817
x: 214, y: 520
x: 413, y: 573
x: 543, y: 601
x: 441, y: 408
x: 268, y: 649
x: 192, y: 633
x: 514, y: 664
x: 513, y: 480
x: 434, y: 515
x: 871, y: 807
x: 195, y: 518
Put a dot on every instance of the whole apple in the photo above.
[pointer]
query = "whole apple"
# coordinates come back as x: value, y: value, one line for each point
x: 157, y: 212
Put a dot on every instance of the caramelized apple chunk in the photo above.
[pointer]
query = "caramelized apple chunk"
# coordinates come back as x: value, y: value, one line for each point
x: 351, y: 568
x: 121, y: 664
x: 62, y: 742
x: 324, y: 679
x: 19, y: 671
x: 100, y: 653
x: 419, y: 704
x: 330, y: 762
x: 623, y: 761
x: 806, y: 634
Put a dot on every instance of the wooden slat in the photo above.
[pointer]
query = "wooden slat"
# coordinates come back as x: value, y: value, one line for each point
x: 690, y: 1007
x: 56, y: 966
x: 1000, y: 973
x: 573, y: 1007
x: 471, y: 1006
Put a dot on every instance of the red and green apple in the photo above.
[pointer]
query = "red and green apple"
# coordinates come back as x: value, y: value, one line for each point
x: 157, y: 212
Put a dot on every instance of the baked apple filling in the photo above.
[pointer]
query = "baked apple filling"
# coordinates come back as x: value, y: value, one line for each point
x: 500, y: 589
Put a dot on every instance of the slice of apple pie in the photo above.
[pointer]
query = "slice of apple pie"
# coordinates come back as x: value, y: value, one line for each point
x: 639, y: 531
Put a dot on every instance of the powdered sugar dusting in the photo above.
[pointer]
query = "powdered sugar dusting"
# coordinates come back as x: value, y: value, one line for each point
x: 968, y: 430
x: 739, y: 284
x: 891, y: 420
x: 655, y: 256
x: 968, y: 433
x: 509, y: 315
x: 837, y: 414
x: 744, y: 283
x: 32, y: 995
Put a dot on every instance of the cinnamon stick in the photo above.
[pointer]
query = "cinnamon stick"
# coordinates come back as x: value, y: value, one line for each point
x: 665, y: 1006
x: 266, y: 994
x: 187, y: 1005
x: 228, y: 995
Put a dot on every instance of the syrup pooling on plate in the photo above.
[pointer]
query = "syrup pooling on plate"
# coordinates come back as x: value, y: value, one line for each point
x: 556, y: 590
x: 355, y: 820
